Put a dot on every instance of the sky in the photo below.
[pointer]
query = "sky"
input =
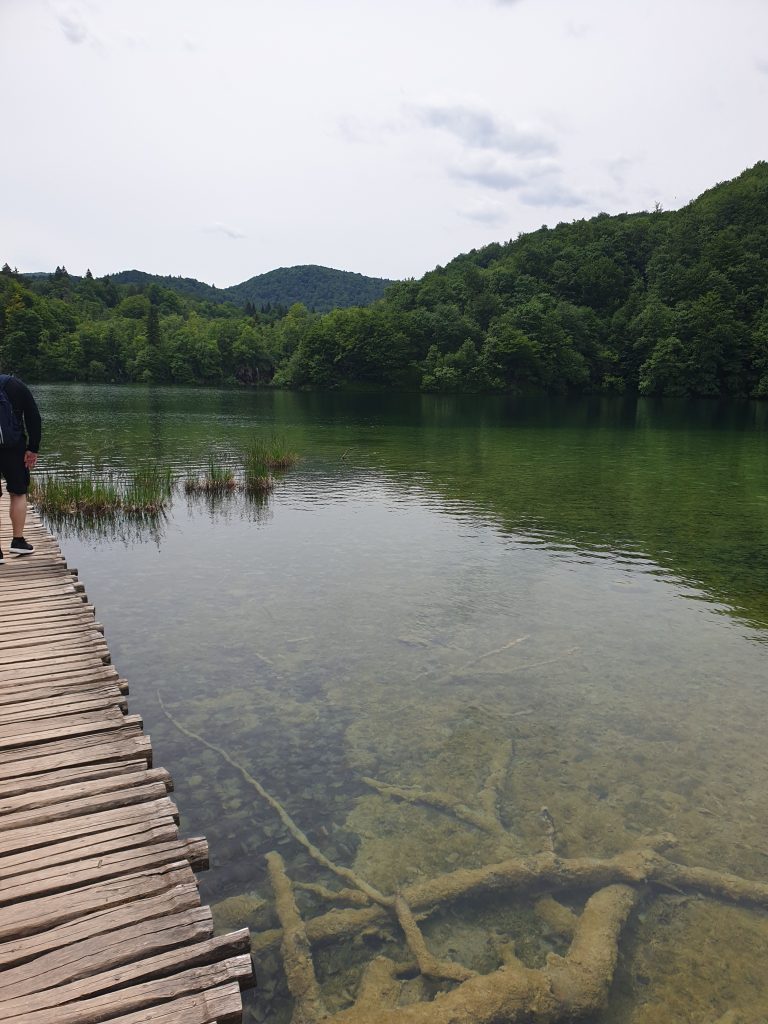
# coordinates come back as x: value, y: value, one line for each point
x: 222, y: 140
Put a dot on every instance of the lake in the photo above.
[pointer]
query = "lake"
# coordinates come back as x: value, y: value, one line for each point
x: 570, y: 596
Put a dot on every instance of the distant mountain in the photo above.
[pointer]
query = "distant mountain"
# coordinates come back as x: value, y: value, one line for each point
x: 183, y: 285
x: 319, y: 288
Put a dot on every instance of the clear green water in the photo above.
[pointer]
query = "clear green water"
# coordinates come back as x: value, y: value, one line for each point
x: 361, y: 623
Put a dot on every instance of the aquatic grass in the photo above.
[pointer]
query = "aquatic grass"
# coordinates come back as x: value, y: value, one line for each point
x: 274, y: 452
x: 75, y: 496
x: 218, y: 479
x: 146, y: 492
x: 256, y: 476
x: 149, y: 490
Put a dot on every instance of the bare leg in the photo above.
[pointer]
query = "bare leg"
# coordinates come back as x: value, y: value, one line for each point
x: 18, y: 513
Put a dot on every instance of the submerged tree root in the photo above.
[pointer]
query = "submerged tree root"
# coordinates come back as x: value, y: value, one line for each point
x: 564, y: 989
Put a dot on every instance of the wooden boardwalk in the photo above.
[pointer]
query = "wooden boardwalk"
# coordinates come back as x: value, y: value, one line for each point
x: 100, y: 915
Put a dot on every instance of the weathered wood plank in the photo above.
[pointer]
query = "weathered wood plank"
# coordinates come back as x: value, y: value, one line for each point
x: 65, y: 652
x: 64, y: 682
x: 90, y: 956
x: 99, y: 1008
x: 28, y: 803
x: 221, y: 1005
x: 85, y: 664
x: 30, y: 702
x: 42, y: 731
x: 65, y: 622
x: 62, y: 706
x: 49, y: 911
x: 69, y: 877
x: 14, y: 644
x: 41, y: 834
x: 126, y: 744
x: 100, y: 922
x: 137, y: 833
x: 75, y: 773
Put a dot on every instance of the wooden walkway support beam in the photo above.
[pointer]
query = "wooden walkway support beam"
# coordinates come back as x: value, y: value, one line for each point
x: 100, y: 915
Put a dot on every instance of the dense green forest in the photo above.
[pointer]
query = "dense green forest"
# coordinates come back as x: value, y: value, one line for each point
x: 320, y: 289
x: 672, y: 303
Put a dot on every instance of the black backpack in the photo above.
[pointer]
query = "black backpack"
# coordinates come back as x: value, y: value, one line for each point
x: 11, y: 433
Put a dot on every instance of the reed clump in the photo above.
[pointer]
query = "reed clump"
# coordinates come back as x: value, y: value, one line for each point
x: 217, y: 479
x: 257, y: 478
x: 145, y: 492
x: 275, y: 453
x: 149, y: 490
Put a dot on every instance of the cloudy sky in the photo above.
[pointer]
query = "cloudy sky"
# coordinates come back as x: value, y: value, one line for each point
x: 221, y: 140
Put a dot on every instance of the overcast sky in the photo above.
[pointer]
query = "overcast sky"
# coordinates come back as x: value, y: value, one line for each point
x: 221, y: 140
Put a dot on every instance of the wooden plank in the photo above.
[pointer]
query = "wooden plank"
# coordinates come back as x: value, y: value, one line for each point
x: 64, y: 652
x: 19, y: 634
x: 34, y: 591
x: 127, y: 744
x: 15, y: 645
x: 18, y: 697
x: 11, y: 643
x: 40, y: 732
x: 65, y: 878
x: 61, y: 706
x: 69, y: 611
x: 220, y: 1005
x: 87, y: 807
x: 90, y: 956
x: 61, y: 680
x: 99, y: 821
x: 79, y: 790
x: 54, y: 621
x: 81, y: 665
x: 49, y: 911
x: 99, y: 1008
x: 78, y: 773
x: 137, y: 833
x: 174, y: 899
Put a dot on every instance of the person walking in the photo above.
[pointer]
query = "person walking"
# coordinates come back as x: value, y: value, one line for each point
x: 20, y: 430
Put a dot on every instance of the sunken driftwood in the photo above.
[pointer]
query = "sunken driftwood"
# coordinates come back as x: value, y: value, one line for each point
x: 566, y: 988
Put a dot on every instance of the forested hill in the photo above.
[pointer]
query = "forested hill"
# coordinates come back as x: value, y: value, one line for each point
x: 317, y: 288
x: 669, y: 303
x: 672, y: 303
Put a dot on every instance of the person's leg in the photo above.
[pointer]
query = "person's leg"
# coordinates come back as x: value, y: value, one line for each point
x: 17, y: 478
x: 18, y: 513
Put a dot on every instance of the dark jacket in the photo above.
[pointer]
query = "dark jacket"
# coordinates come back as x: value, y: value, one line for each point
x: 26, y: 410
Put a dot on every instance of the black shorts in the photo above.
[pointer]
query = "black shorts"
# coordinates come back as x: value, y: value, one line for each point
x: 13, y: 469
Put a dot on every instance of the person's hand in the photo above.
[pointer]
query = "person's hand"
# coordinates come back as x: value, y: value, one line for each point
x: 30, y: 459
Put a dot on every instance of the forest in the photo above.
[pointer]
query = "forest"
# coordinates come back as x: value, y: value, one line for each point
x: 659, y: 303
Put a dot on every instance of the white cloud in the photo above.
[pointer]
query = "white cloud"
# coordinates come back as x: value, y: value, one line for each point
x: 482, y: 130
x: 73, y: 27
x: 555, y: 194
x: 224, y: 229
x: 486, y: 211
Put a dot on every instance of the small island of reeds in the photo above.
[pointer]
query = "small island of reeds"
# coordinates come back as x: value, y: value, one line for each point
x: 145, y: 492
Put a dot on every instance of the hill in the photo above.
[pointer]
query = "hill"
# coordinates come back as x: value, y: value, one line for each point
x: 317, y: 288
x: 662, y: 303
x: 672, y: 303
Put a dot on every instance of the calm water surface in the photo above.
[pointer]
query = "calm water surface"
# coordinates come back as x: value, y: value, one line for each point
x: 583, y: 584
